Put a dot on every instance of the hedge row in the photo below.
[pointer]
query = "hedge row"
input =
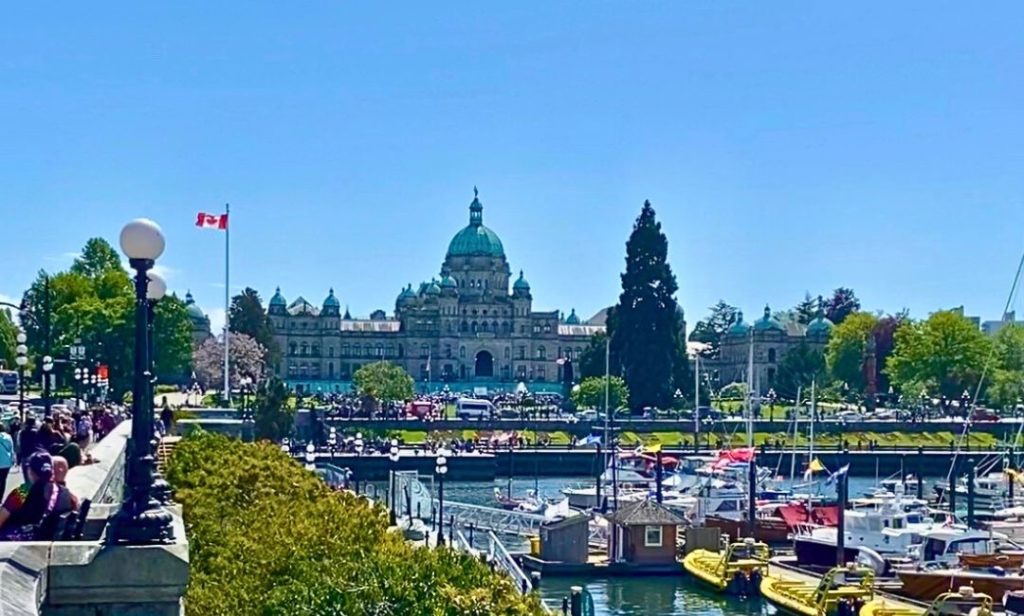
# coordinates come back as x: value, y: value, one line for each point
x: 267, y: 537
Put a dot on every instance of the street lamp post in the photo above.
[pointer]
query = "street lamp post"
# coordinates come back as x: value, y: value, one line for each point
x: 771, y: 404
x: 311, y: 457
x: 47, y: 371
x: 359, y: 453
x: 21, y: 360
x: 78, y: 388
x: 393, y: 454
x: 965, y: 402
x: 441, y: 467
x: 141, y: 518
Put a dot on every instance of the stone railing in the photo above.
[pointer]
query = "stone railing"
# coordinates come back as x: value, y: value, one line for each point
x: 93, y: 576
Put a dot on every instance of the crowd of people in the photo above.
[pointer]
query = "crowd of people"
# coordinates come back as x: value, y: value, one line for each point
x: 45, y: 450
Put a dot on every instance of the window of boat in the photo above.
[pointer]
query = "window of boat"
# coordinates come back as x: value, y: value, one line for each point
x: 914, y: 518
x: 897, y: 522
x: 652, y: 536
x: 729, y: 505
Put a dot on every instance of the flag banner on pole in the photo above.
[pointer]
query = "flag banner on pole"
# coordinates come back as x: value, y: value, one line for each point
x: 838, y: 474
x: 212, y: 221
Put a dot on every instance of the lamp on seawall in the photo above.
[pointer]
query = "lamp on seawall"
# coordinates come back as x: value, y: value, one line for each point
x: 141, y: 519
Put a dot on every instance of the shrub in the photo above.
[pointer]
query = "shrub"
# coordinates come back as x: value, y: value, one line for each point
x: 267, y: 537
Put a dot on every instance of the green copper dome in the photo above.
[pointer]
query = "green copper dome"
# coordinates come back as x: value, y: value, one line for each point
x: 407, y: 293
x: 278, y: 299
x: 433, y: 289
x: 520, y: 283
x: 739, y: 328
x: 476, y: 239
x: 448, y: 283
x: 194, y: 312
x: 572, y: 319
x: 331, y: 301
x: 767, y: 323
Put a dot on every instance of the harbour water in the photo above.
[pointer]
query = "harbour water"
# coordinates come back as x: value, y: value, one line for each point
x: 649, y: 596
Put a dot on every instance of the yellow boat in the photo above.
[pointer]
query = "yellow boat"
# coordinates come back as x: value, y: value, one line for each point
x: 964, y: 602
x: 841, y: 592
x: 738, y: 570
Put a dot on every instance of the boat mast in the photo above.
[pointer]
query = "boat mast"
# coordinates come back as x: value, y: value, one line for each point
x: 814, y: 415
x: 696, y: 400
x: 750, y: 392
x: 796, y: 433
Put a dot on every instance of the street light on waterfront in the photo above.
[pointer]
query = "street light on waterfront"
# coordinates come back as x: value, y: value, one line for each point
x: 359, y: 453
x: 393, y: 454
x: 47, y: 371
x: 441, y: 468
x: 311, y: 457
x: 141, y: 518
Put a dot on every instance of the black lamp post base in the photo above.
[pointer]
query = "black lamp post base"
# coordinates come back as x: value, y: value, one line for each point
x: 152, y: 525
x: 161, y: 490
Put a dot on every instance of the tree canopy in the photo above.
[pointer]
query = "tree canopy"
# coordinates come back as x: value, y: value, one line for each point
x: 842, y: 304
x: 246, y: 358
x: 247, y: 316
x: 590, y: 393
x: 272, y: 416
x: 647, y: 331
x: 846, y: 347
x: 268, y: 537
x: 711, y: 330
x: 8, y: 339
x: 945, y: 354
x: 93, y: 304
x: 800, y: 366
x: 383, y: 381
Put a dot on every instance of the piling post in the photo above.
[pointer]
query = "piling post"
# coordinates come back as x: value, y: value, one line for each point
x: 954, y: 477
x: 576, y: 601
x: 657, y: 476
x: 903, y: 471
x: 841, y: 522
x: 970, y: 493
x: 600, y: 472
x: 565, y: 606
x: 920, y: 472
x: 535, y: 579
x: 751, y: 496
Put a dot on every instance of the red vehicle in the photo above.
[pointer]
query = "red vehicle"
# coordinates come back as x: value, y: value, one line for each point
x: 982, y: 414
x: 419, y: 409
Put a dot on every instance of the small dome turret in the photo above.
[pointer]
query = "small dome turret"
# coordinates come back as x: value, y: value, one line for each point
x: 820, y: 327
x: 331, y: 301
x: 406, y: 294
x: 277, y: 300
x: 768, y: 324
x: 520, y: 285
x: 194, y: 312
x: 432, y: 289
x: 572, y: 319
x: 739, y: 328
x: 447, y: 282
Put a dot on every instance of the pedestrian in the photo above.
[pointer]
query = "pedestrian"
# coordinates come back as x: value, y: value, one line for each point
x: 28, y: 443
x: 6, y: 456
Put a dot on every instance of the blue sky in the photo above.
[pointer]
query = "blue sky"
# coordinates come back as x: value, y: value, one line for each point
x: 787, y: 147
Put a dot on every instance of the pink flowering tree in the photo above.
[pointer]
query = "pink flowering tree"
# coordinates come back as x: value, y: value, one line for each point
x: 246, y: 359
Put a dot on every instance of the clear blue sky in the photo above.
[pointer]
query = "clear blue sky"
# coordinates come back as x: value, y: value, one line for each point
x: 786, y: 147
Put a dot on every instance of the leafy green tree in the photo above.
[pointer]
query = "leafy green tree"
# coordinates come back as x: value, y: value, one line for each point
x: 845, y: 351
x: 711, y: 330
x: 842, y: 304
x: 944, y: 353
x: 273, y: 418
x: 648, y: 328
x: 8, y: 339
x: 383, y: 382
x: 1007, y: 381
x: 590, y: 393
x: 247, y: 316
x: 798, y: 368
x: 97, y: 258
x: 807, y: 310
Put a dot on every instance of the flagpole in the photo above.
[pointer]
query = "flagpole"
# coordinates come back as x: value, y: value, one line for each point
x: 227, y: 300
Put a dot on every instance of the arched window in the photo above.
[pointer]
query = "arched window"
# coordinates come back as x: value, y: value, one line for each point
x: 541, y: 353
x: 508, y: 353
x: 315, y: 350
x: 547, y: 328
x: 462, y: 352
x: 344, y: 350
x: 463, y: 327
x: 494, y: 326
x: 424, y: 350
x: 771, y: 356
x: 380, y: 350
x: 291, y: 349
x: 304, y: 349
x: 473, y: 327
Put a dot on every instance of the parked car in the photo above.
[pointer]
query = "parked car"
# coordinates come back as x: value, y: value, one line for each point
x: 587, y: 415
x: 983, y: 414
x: 470, y: 408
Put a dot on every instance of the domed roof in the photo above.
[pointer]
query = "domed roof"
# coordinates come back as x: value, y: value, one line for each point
x: 433, y: 289
x: 193, y: 311
x: 739, y: 328
x: 520, y: 283
x: 331, y: 301
x: 820, y: 326
x: 406, y: 293
x: 476, y: 239
x: 278, y: 299
x: 572, y: 319
x: 766, y: 323
x: 448, y: 283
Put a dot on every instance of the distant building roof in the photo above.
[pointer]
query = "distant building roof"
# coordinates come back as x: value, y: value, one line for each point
x: 601, y: 318
x: 301, y: 306
x: 645, y: 513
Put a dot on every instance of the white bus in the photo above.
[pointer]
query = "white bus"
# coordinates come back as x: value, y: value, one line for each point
x: 468, y: 408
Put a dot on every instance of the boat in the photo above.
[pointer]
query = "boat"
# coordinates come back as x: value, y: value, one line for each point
x: 964, y: 602
x: 1006, y: 560
x: 929, y: 584
x: 1008, y: 521
x: 635, y: 475
x: 945, y: 546
x: 531, y: 504
x: 775, y: 522
x: 737, y: 570
x: 840, y: 592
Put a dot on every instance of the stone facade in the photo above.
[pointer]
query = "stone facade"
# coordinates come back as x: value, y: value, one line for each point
x: 771, y: 340
x: 465, y: 327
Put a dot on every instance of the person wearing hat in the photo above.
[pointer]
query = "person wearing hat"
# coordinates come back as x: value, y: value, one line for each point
x: 27, y: 506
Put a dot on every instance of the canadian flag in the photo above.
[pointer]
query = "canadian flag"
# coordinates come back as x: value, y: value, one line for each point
x: 212, y: 221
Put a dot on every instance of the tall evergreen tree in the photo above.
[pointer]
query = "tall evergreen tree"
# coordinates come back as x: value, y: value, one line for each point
x: 247, y: 316
x: 806, y: 310
x: 647, y: 328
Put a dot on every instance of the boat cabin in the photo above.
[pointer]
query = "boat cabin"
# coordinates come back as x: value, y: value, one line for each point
x: 945, y: 545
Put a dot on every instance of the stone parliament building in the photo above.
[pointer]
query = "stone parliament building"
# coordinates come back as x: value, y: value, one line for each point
x: 465, y: 330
